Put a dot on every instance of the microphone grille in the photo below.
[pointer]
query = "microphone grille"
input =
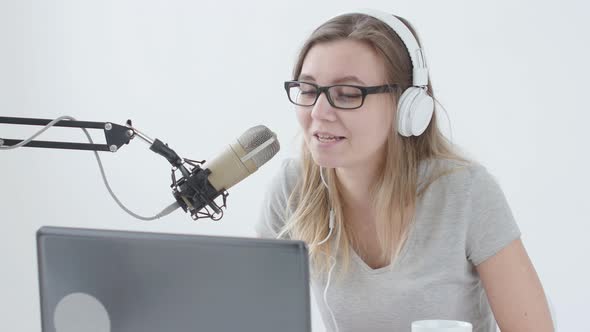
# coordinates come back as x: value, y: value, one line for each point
x: 256, y: 136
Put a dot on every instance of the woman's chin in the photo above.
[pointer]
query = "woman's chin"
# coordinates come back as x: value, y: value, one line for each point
x: 326, y: 162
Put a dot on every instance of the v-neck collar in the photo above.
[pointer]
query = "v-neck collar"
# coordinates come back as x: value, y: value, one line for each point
x: 395, y: 264
x: 410, y: 241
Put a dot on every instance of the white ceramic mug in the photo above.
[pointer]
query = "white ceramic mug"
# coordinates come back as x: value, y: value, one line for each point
x: 437, y: 325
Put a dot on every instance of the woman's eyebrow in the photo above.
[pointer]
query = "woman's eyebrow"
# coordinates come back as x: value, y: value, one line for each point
x: 345, y: 79
x: 350, y: 78
x: 305, y: 77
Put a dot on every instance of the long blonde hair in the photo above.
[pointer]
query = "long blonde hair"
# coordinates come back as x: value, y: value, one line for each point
x: 396, y: 189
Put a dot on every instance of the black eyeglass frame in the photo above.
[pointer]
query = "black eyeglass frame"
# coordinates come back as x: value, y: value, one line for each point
x: 365, y: 90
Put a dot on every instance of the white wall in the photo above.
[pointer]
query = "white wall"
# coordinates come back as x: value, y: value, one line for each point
x: 512, y: 76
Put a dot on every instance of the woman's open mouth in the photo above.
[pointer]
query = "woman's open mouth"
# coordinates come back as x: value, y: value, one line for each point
x: 328, y: 139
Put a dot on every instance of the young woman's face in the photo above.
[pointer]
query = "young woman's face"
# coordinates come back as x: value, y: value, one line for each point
x: 363, y: 132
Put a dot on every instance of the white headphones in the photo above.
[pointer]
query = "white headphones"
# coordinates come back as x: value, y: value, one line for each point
x: 415, y: 107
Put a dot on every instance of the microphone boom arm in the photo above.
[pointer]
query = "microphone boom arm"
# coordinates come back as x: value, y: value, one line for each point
x: 115, y: 135
x: 193, y: 192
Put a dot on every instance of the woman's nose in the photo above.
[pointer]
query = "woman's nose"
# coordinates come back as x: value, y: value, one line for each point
x: 322, y: 110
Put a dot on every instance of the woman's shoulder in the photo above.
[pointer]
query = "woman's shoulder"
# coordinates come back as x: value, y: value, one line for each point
x: 285, y: 179
x: 460, y: 174
x: 291, y: 166
x: 274, y: 208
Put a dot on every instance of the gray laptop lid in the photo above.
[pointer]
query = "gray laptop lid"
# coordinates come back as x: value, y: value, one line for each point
x: 110, y: 281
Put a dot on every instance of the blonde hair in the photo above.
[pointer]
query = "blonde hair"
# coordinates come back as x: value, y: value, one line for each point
x: 395, y: 191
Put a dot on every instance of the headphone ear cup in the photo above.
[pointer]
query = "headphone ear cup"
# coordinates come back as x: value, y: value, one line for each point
x: 403, y: 111
x: 420, y: 112
x: 415, y: 109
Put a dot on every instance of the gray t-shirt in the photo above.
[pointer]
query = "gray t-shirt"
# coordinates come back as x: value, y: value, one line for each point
x: 461, y: 220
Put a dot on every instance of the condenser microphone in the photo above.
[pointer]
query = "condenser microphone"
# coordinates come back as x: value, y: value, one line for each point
x: 197, y: 190
x: 251, y: 150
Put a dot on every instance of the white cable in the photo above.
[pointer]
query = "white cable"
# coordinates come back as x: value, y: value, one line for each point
x: 333, y: 260
x: 330, y: 225
x: 323, y: 180
x: 326, y: 290
x: 28, y: 140
x: 327, y: 237
x: 166, y: 211
x: 448, y: 119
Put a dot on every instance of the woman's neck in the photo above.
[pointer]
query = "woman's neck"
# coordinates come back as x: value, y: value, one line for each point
x: 356, y: 183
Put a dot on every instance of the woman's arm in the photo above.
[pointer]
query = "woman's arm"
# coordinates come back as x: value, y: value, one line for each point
x: 514, y: 291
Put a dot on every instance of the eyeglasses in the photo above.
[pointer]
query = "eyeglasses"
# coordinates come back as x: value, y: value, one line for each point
x: 342, y: 96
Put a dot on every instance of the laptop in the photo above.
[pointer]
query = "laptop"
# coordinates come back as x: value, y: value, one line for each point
x: 110, y: 281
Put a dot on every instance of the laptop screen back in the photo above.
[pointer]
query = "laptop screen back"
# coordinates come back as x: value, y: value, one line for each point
x: 108, y: 281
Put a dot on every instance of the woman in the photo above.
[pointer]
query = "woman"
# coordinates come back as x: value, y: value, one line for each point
x: 411, y: 229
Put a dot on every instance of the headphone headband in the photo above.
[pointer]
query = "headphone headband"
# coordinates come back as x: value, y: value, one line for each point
x: 419, y: 70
